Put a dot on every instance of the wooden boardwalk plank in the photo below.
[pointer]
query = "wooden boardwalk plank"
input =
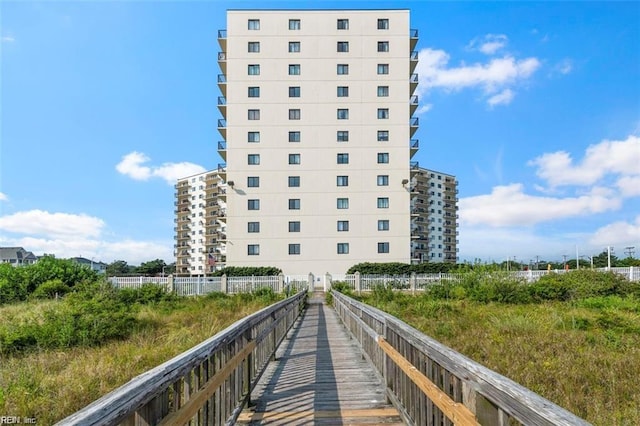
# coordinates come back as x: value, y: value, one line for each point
x: 319, y: 377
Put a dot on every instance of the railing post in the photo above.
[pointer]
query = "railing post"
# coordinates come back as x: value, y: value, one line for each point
x: 327, y: 282
x: 223, y: 284
x: 170, y: 287
x: 310, y: 282
x: 631, y: 273
x: 280, y: 285
x: 412, y: 282
x: 357, y: 277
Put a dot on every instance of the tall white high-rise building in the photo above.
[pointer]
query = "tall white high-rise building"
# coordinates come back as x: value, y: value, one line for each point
x: 317, y: 125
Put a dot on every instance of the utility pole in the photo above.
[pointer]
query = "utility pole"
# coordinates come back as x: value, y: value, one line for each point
x: 609, y: 250
x: 629, y: 251
x: 537, y: 260
x: 564, y: 260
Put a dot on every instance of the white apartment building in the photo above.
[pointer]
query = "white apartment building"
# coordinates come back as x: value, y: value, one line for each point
x: 434, y: 209
x: 317, y: 124
x: 200, y: 211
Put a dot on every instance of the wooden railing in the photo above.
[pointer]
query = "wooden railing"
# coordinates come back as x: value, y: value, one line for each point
x: 431, y: 384
x: 208, y: 384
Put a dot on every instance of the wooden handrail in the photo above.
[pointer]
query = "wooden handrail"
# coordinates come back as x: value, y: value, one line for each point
x: 458, y: 413
x: 182, y: 386
x: 489, y: 396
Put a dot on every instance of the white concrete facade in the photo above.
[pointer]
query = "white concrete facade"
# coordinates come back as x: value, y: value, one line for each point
x: 323, y: 125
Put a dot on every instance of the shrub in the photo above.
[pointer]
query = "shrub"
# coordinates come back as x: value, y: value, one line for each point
x: 580, y: 284
x: 147, y: 294
x: 50, y: 290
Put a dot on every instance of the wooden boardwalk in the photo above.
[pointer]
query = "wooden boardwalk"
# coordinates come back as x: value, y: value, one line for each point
x: 319, y: 378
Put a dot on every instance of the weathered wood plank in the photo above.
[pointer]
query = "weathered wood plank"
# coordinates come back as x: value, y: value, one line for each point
x: 320, y: 377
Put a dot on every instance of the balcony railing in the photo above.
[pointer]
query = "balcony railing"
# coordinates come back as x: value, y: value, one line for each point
x: 413, y: 33
x: 414, y: 122
x: 414, y: 55
x: 222, y: 33
x: 222, y: 146
x: 413, y: 100
x: 222, y: 56
x: 222, y: 78
x: 414, y: 78
x: 222, y: 100
x: 222, y: 123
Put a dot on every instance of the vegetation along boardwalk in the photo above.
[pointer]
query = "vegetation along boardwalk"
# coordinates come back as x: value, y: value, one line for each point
x: 319, y: 377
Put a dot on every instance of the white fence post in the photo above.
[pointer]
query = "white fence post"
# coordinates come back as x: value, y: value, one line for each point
x: 311, y: 282
x: 223, y: 284
x: 358, y: 284
x: 412, y: 282
x: 280, y: 283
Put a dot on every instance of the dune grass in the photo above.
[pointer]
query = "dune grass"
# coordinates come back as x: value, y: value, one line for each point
x: 583, y: 355
x: 52, y: 384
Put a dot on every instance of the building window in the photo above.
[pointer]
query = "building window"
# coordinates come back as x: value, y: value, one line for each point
x: 294, y: 46
x: 294, y: 136
x: 294, y: 158
x: 343, y: 114
x: 253, y: 137
x: 343, y: 24
x: 253, y: 159
x: 342, y: 180
x: 253, y: 46
x: 254, y: 92
x: 343, y: 136
x: 383, y: 136
x: 383, y: 24
x: 253, y: 69
x: 294, y: 24
x: 253, y: 249
x: 254, y: 24
x: 343, y: 158
x: 294, y: 226
x: 294, y: 91
x: 383, y: 113
x: 383, y: 247
x: 343, y: 225
x: 342, y: 203
x: 383, y: 180
x: 383, y: 68
x: 294, y: 181
x: 253, y: 114
x: 343, y: 69
x: 343, y: 248
x: 294, y: 248
x: 253, y: 181
x: 383, y: 225
x: 383, y: 91
x: 343, y: 91
x: 253, y: 227
x: 253, y: 204
x: 343, y: 46
x: 294, y: 114
x: 294, y: 203
x: 383, y: 46
x: 383, y: 202
x: 383, y: 157
x: 294, y: 69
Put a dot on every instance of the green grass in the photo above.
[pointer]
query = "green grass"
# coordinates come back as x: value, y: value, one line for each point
x: 583, y: 355
x: 50, y: 384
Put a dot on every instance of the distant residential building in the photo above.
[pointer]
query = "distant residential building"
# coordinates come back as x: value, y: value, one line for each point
x: 99, y: 267
x: 434, y: 225
x: 200, y: 224
x: 17, y: 256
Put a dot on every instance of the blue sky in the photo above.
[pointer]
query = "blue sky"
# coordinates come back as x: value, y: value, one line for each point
x: 535, y: 107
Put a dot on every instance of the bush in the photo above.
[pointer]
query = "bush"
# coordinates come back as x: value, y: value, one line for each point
x: 50, y: 290
x: 580, y: 284
x: 248, y: 271
x: 149, y: 293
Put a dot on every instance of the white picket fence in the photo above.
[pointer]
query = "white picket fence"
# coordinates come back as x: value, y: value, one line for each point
x: 192, y: 286
x: 418, y: 282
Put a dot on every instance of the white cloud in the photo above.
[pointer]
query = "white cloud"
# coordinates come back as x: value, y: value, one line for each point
x: 34, y: 222
x: 8, y: 39
x: 619, y: 234
x: 503, y: 98
x: 493, y: 77
x: 565, y: 66
x: 629, y: 186
x: 509, y: 206
x: 3, y: 197
x: 132, y: 166
x: 424, y: 109
x: 489, y: 44
x: 68, y: 235
x: 607, y: 157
